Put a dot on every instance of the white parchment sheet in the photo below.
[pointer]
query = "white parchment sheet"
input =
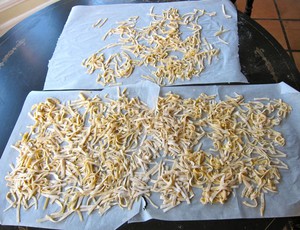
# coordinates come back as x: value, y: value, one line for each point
x: 79, y: 40
x: 285, y: 203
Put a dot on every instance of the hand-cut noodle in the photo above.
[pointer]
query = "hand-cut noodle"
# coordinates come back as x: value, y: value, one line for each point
x: 224, y: 12
x: 90, y: 154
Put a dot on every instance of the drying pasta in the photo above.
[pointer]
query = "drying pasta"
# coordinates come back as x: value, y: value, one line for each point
x: 224, y: 12
x: 90, y: 154
x: 160, y: 45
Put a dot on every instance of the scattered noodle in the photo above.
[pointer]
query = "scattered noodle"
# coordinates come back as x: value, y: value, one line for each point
x: 224, y: 12
x: 221, y: 40
x: 97, y: 23
x: 102, y: 23
x: 219, y: 33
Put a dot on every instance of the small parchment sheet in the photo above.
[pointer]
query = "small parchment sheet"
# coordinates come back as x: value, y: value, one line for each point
x: 79, y: 40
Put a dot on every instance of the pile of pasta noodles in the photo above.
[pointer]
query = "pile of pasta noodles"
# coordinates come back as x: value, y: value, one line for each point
x: 160, y: 46
x: 93, y: 153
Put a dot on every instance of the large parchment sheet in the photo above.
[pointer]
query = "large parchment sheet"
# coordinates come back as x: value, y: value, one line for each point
x: 115, y: 217
x: 284, y: 203
x: 79, y: 40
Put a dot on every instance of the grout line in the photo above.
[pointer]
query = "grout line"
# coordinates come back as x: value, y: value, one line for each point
x: 284, y: 32
x: 282, y: 26
x: 267, y: 19
x: 274, y: 19
x: 290, y: 19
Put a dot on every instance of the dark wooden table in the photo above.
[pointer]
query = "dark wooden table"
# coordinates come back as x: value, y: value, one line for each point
x: 26, y: 49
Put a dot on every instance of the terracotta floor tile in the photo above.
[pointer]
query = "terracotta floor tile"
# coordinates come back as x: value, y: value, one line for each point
x: 264, y: 9
x: 274, y: 28
x: 296, y: 56
x: 240, y: 4
x: 289, y: 9
x: 292, y: 29
x: 261, y: 8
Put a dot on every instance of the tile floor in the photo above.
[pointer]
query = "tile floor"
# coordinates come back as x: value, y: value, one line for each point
x: 281, y: 18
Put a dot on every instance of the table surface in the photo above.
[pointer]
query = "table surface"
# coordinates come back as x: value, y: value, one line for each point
x: 26, y: 49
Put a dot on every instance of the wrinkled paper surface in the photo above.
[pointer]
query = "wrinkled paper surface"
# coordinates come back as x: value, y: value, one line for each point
x: 284, y: 203
x: 79, y: 40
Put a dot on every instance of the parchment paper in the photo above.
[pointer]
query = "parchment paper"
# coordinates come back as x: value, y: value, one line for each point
x: 79, y: 40
x: 285, y: 203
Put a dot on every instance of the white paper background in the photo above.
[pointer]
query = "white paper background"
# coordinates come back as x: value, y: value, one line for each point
x: 79, y: 40
x: 285, y: 203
